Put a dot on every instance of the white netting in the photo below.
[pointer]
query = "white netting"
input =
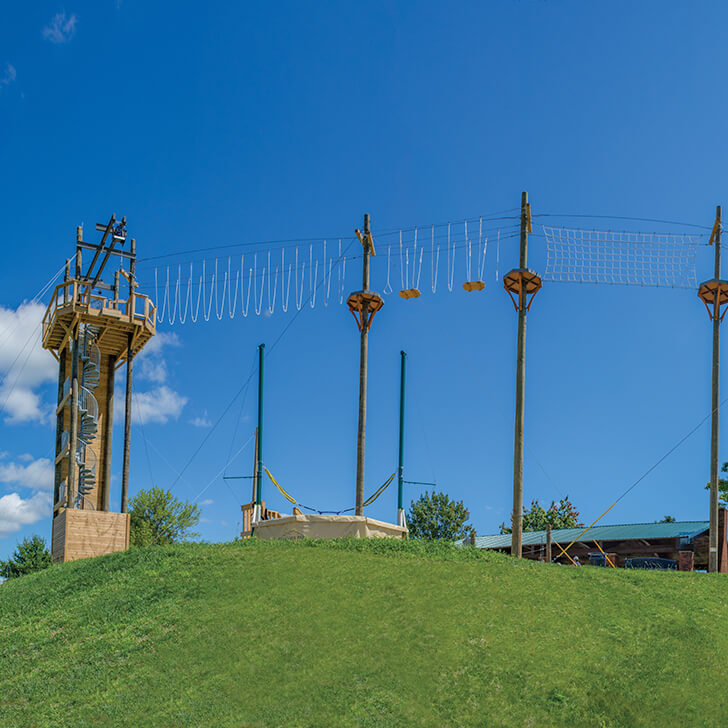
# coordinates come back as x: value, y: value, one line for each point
x: 623, y: 258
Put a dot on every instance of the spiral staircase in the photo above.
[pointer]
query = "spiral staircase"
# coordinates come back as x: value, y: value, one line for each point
x: 88, y: 415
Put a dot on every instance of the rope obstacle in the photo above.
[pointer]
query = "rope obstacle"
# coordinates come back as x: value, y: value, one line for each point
x: 309, y: 271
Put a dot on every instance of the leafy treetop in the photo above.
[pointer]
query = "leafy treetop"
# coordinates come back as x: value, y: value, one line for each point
x: 31, y: 555
x: 158, y: 518
x: 436, y: 516
x: 536, y: 518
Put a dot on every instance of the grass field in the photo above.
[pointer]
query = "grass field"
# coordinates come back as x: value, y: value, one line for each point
x: 358, y: 633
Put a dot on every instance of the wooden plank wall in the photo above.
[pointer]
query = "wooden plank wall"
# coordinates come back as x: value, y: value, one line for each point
x: 58, y: 538
x: 82, y: 534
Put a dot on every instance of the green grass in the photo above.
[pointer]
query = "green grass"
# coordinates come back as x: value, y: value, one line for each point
x: 358, y: 633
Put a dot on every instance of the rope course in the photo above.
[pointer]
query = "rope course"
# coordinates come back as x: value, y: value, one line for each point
x: 279, y: 276
x: 299, y: 273
x: 625, y: 258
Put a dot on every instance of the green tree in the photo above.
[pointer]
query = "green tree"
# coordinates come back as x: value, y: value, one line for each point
x: 722, y: 488
x: 158, y: 518
x: 536, y: 518
x: 437, y: 516
x: 667, y: 519
x: 31, y: 555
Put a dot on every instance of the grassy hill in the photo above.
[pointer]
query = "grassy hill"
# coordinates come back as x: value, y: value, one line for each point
x: 358, y: 633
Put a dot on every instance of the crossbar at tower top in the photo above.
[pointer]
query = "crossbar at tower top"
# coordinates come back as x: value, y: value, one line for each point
x: 85, y: 298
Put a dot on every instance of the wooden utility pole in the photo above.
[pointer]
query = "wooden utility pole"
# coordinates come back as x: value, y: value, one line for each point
x: 548, y: 543
x: 714, y: 293
x: 129, y: 376
x: 520, y: 284
x: 715, y: 404
x: 73, y: 426
x: 363, y: 361
x: 363, y: 304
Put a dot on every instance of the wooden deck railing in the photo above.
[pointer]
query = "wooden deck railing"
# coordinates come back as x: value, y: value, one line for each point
x: 247, y: 510
x: 79, y: 295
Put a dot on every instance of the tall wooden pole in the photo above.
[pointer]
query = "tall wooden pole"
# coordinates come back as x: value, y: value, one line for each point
x: 517, y: 533
x: 401, y: 521
x: 363, y: 355
x: 73, y: 426
x: 129, y: 377
x: 109, y: 431
x: 548, y: 543
x: 714, y: 464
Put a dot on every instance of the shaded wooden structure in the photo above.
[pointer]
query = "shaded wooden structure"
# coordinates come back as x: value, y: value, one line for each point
x: 92, y: 330
x: 683, y: 541
x: 248, y: 510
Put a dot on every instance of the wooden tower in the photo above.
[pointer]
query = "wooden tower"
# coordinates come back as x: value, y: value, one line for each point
x: 92, y: 331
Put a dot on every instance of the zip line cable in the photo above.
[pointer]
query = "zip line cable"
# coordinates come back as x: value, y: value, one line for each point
x: 36, y: 299
x: 622, y: 217
x: 222, y: 470
x: 22, y: 368
x: 135, y: 403
x: 649, y: 470
x: 488, y: 217
x: 240, y: 415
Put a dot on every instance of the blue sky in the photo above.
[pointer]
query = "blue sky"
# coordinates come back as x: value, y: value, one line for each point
x: 233, y: 123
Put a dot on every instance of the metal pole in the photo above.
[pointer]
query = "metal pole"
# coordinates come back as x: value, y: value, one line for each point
x: 714, y: 464
x: 259, y: 442
x: 79, y: 263
x: 517, y: 533
x: 401, y: 521
x: 255, y: 467
x: 363, y: 354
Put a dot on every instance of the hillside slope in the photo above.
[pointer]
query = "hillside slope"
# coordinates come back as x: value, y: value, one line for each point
x: 379, y: 633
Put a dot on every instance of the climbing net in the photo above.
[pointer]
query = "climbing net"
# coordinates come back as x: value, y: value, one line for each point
x: 620, y: 258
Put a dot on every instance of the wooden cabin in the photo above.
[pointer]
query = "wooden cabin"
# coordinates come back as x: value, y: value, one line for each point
x: 685, y: 542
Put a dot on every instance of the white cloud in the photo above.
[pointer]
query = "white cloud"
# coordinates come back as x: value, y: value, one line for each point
x: 37, y: 474
x: 203, y: 421
x: 61, y: 29
x: 161, y: 403
x: 150, y: 362
x: 16, y: 512
x: 24, y: 364
x: 157, y: 405
x: 207, y: 502
x: 8, y: 76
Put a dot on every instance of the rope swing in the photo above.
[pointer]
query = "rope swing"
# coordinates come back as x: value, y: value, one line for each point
x: 294, y: 502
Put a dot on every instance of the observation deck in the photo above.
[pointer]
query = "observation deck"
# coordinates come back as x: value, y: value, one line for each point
x: 74, y: 303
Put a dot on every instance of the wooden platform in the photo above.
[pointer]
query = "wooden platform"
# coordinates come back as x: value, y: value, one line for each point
x: 74, y: 303
x: 81, y: 534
